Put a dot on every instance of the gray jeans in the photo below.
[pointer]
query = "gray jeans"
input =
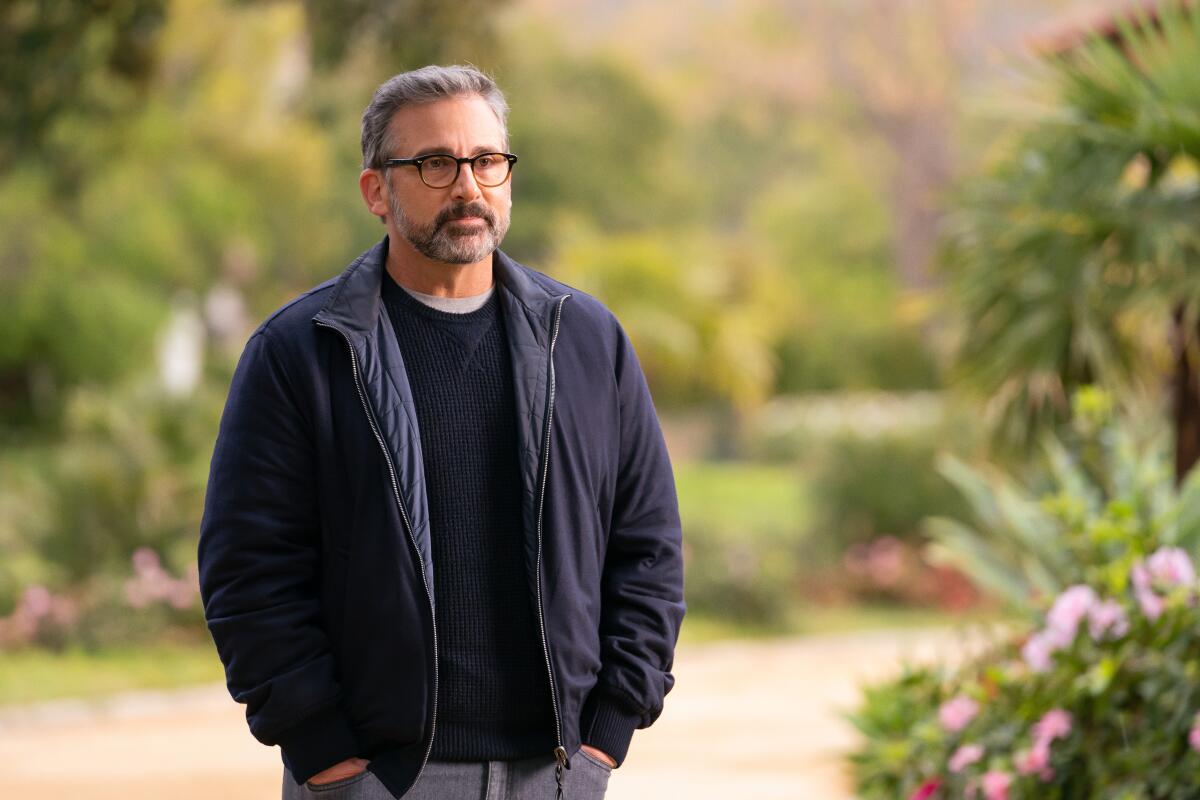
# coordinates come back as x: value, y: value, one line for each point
x: 525, y: 779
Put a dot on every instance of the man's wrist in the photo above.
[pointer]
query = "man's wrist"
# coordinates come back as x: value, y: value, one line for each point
x: 596, y: 752
x: 320, y: 742
x: 607, y: 725
x: 343, y: 769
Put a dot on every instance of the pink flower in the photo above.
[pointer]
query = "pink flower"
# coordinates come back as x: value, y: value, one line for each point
x: 136, y: 595
x: 146, y: 561
x: 1171, y: 567
x: 181, y: 594
x: 926, y: 789
x: 65, y: 611
x: 1035, y: 760
x: 1107, y: 617
x: 957, y: 713
x: 1194, y: 733
x: 1167, y: 566
x: 1054, y: 724
x: 996, y: 784
x: 1140, y: 576
x: 1075, y: 604
x: 1037, y: 652
x: 964, y: 757
x: 36, y: 601
x: 885, y: 561
x: 1068, y: 610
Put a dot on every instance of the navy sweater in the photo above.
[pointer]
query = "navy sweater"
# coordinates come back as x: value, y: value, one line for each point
x: 494, y: 700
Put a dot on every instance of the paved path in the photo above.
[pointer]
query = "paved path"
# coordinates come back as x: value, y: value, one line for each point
x: 747, y: 719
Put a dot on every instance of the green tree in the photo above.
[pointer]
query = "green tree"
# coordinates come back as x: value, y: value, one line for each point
x: 71, y: 59
x: 207, y: 167
x: 702, y: 311
x: 403, y: 35
x: 1071, y: 258
x: 595, y: 146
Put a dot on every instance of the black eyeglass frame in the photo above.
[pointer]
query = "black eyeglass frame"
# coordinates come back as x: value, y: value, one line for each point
x: 458, y: 162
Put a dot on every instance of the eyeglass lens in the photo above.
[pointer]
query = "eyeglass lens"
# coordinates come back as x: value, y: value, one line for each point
x: 490, y: 169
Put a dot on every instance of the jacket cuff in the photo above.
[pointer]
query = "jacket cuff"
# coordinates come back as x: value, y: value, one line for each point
x: 317, y: 743
x: 606, y: 725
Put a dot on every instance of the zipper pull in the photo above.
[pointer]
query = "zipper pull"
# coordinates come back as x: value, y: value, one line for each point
x: 561, y: 761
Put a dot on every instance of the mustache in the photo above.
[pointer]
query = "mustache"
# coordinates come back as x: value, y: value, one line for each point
x: 462, y: 210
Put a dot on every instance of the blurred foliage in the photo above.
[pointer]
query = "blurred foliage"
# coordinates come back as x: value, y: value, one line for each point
x: 596, y: 150
x: 702, y: 311
x: 63, y: 62
x: 844, y: 292
x: 402, y: 35
x: 744, y: 525
x: 1070, y: 256
x: 207, y: 181
x: 1108, y: 475
x: 883, y: 485
x: 874, y: 491
x: 1108, y: 546
x: 129, y: 472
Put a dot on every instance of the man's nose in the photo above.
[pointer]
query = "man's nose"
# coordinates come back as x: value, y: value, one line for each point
x: 465, y: 187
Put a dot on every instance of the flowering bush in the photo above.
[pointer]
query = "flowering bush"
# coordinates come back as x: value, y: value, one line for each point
x: 1101, y: 702
x: 40, y: 616
x: 1099, y: 698
x: 86, y: 518
x: 107, y: 609
x: 152, y: 583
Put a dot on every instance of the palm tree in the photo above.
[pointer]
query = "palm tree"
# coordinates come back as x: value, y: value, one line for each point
x: 1076, y: 258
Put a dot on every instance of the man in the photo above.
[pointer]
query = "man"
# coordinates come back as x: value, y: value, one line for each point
x: 441, y: 553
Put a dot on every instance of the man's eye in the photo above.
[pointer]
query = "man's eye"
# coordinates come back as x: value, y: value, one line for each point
x: 437, y: 162
x: 486, y: 161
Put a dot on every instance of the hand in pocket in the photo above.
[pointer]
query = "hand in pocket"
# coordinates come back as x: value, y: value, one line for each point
x: 339, y: 771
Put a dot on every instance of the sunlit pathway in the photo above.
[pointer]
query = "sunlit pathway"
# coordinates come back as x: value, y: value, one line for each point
x: 745, y: 720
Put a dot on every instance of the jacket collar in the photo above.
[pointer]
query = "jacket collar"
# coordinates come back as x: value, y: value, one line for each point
x: 354, y: 303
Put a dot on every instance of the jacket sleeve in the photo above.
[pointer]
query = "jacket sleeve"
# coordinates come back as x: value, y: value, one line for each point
x: 642, y: 584
x: 259, y: 566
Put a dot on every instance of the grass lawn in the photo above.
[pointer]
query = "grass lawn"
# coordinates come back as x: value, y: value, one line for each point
x: 736, y: 495
x: 30, y: 676
x: 815, y: 620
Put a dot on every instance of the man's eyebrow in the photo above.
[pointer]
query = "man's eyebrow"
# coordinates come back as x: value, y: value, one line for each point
x: 441, y: 148
x: 427, y: 151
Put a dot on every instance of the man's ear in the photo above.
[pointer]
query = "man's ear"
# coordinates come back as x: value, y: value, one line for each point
x: 374, y: 193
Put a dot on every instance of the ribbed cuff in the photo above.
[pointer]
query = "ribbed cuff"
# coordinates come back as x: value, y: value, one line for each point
x: 606, y: 725
x: 318, y: 743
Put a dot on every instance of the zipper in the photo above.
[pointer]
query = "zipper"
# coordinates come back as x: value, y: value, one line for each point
x: 408, y: 526
x: 560, y: 752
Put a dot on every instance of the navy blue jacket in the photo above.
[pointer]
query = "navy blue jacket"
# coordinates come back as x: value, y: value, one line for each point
x: 315, y: 565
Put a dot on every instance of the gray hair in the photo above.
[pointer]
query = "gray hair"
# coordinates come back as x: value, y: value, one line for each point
x: 424, y: 85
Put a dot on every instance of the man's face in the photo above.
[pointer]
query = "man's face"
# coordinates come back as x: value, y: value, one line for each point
x: 464, y: 222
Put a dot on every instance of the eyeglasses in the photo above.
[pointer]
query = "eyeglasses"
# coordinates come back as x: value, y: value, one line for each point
x: 439, y: 170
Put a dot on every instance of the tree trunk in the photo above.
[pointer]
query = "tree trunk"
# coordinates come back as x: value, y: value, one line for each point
x: 1186, y: 396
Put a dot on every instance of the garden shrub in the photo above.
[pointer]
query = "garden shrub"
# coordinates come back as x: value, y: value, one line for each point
x: 886, y: 485
x: 742, y: 529
x: 83, y: 516
x: 1096, y: 697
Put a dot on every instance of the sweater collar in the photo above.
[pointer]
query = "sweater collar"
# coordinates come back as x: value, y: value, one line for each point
x: 354, y: 303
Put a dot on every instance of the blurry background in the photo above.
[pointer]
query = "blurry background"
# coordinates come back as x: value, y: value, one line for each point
x: 796, y: 208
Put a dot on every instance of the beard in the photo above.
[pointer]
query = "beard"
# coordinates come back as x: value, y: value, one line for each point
x: 440, y: 241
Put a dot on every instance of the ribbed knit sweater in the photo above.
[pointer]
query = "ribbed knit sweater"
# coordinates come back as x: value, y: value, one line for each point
x: 494, y: 695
